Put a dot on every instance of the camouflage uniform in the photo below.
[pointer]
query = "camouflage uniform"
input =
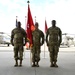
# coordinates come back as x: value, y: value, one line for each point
x: 18, y: 40
x: 38, y: 40
x: 55, y: 38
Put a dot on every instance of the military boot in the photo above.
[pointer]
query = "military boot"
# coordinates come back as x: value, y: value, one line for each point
x: 16, y: 64
x: 33, y: 65
x: 20, y: 63
x: 52, y: 65
x: 55, y: 65
x: 37, y: 64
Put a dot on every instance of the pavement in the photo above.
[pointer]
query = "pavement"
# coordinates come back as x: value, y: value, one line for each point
x: 66, y: 62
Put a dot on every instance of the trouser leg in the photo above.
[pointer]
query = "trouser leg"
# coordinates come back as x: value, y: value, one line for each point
x: 55, y: 60
x: 20, y: 55
x: 16, y: 56
x: 16, y: 63
x: 37, y: 57
x: 33, y: 60
x: 51, y: 59
x: 55, y: 56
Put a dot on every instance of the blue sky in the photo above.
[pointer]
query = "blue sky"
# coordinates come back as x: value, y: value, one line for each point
x: 63, y: 11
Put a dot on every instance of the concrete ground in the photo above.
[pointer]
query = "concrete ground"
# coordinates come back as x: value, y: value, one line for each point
x: 66, y: 63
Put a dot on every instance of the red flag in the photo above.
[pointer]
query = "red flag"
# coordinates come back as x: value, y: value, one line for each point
x: 30, y: 26
x: 46, y: 26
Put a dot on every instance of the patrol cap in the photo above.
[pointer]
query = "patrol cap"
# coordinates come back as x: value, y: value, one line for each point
x: 19, y: 23
x: 53, y: 21
x: 36, y: 24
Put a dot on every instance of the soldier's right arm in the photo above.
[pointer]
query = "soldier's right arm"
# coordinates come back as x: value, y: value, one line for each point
x: 47, y: 33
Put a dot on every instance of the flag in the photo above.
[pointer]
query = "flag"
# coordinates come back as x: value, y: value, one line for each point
x: 46, y: 26
x: 30, y: 26
x: 16, y: 21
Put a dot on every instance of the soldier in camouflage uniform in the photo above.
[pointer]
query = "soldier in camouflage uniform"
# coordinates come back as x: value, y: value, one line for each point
x: 38, y: 41
x: 53, y: 43
x: 18, y: 40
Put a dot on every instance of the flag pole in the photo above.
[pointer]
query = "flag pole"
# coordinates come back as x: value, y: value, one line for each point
x: 16, y: 20
x: 44, y: 48
x: 44, y: 45
x: 35, y: 19
x: 30, y: 50
x: 25, y: 22
x: 25, y: 30
x: 16, y: 17
x: 45, y: 38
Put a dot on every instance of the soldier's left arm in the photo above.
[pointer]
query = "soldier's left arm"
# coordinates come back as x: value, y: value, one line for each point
x: 25, y: 36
